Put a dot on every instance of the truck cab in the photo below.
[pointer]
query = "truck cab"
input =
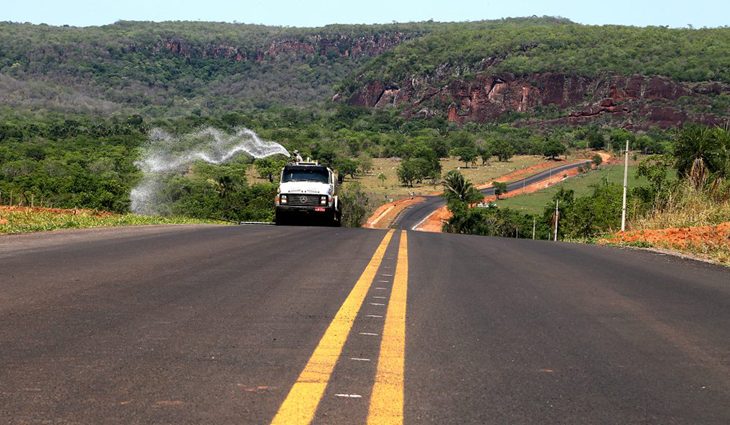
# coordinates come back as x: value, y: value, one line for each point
x: 308, y: 193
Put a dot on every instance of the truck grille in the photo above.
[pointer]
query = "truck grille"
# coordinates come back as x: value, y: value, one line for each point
x: 303, y: 200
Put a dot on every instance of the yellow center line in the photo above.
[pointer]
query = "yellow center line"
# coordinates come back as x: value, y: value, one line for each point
x: 301, y: 404
x: 386, y: 402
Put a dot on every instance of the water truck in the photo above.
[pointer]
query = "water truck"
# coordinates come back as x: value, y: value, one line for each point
x: 307, y: 194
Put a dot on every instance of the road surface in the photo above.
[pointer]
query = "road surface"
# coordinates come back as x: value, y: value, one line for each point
x: 262, y: 324
x: 417, y: 213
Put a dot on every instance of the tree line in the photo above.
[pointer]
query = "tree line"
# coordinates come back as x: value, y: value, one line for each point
x: 700, y: 157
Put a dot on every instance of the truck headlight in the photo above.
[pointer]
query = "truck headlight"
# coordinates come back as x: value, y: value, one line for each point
x: 323, y: 200
x: 283, y: 199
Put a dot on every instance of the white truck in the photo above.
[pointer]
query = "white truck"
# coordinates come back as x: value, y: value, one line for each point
x: 308, y: 192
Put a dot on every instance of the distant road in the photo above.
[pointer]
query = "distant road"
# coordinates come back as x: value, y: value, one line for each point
x: 244, y: 324
x: 415, y: 214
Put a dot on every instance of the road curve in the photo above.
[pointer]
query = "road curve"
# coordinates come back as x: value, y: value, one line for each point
x: 217, y: 324
x: 415, y: 214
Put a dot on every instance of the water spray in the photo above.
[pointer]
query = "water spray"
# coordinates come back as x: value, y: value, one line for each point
x: 166, y: 154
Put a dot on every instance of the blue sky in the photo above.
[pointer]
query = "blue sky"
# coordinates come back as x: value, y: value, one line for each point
x: 308, y: 13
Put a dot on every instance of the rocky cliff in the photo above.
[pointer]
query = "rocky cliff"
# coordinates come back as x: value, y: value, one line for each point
x: 638, y: 101
x: 343, y: 45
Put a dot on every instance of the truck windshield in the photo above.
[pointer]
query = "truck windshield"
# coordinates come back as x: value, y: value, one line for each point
x: 318, y: 175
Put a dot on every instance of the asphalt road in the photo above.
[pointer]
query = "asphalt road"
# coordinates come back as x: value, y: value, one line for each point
x: 415, y: 214
x: 239, y: 325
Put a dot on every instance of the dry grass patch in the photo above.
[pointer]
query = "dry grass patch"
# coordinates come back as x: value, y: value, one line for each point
x: 390, y: 188
x: 15, y: 219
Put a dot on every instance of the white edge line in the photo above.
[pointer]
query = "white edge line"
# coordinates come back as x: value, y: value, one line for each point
x: 377, y: 304
x: 417, y: 225
x: 358, y: 359
x: 374, y: 316
x: 348, y: 395
x: 380, y: 217
x: 368, y: 333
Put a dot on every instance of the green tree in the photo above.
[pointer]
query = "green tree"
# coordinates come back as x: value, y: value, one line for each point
x: 597, y: 160
x: 485, y: 153
x: 699, y: 150
x: 553, y: 148
x: 500, y: 188
x: 595, y: 139
x: 503, y: 150
x: 346, y: 166
x: 656, y: 170
x: 355, y: 205
x: 365, y: 164
x: 269, y: 168
x: 458, y: 189
x: 409, y: 171
x: 467, y: 155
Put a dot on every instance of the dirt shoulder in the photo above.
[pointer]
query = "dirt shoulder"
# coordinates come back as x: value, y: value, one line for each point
x: 386, y: 213
x: 707, y: 242
x: 435, y: 221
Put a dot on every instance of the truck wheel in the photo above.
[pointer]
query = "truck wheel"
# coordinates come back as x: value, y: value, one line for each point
x: 337, y: 219
x: 279, y: 219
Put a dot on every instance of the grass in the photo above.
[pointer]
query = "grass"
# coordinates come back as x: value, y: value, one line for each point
x: 534, y: 203
x: 391, y: 187
x: 24, y: 220
x: 692, y: 221
x: 687, y: 208
x: 690, y: 210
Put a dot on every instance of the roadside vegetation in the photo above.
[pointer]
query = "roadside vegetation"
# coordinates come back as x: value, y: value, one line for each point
x: 79, y: 161
x: 581, y: 185
x: 173, y: 69
x: 27, y: 219
x: 77, y: 106
x: 695, y: 195
x: 525, y: 46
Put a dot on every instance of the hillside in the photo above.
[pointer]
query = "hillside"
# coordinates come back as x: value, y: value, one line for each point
x: 545, y: 69
x: 556, y: 71
x: 177, y: 68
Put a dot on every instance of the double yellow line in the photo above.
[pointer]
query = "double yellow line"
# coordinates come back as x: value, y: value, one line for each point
x: 386, y: 403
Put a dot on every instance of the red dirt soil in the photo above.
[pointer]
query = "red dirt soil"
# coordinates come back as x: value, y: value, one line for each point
x: 435, y: 221
x: 384, y: 215
x: 676, y: 238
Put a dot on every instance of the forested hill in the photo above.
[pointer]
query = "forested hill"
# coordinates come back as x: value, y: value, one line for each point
x: 549, y: 68
x: 176, y: 68
x: 553, y: 68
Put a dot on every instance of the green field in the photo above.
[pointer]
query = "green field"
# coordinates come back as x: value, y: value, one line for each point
x: 534, y: 203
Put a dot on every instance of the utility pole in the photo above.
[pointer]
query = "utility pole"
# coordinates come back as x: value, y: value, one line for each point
x: 626, y: 184
x: 534, y: 222
x: 557, y: 217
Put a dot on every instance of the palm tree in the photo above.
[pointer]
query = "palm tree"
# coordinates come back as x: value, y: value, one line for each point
x: 459, y: 189
x: 698, y: 151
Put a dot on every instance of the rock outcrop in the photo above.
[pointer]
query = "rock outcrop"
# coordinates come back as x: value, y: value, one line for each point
x: 640, y: 101
x: 307, y: 47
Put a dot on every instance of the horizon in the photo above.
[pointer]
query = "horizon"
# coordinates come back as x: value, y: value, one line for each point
x: 182, y: 21
x: 320, y: 13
